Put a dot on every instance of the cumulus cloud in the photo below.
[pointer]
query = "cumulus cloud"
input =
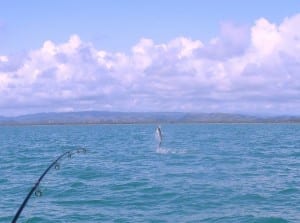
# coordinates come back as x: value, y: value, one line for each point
x: 243, y: 70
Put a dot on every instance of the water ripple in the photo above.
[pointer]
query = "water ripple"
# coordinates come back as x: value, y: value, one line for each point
x: 202, y: 173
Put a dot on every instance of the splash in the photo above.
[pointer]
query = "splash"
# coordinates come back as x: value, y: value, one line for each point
x: 163, y: 150
x: 159, y: 148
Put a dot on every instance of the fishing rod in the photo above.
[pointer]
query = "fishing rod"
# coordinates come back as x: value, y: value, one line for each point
x: 34, y: 188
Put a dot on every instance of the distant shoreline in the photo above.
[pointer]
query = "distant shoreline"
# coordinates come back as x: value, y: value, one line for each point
x: 105, y: 117
x: 152, y: 123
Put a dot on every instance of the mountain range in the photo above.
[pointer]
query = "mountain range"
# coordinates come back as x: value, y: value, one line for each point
x: 106, y: 117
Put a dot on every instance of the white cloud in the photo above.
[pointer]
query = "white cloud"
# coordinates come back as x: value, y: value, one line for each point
x: 3, y: 59
x: 265, y: 37
x: 244, y: 69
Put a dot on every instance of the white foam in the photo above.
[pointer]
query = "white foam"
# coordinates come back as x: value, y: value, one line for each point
x: 162, y: 150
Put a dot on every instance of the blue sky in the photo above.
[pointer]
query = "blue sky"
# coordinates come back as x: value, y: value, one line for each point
x: 117, y: 25
x: 204, y: 56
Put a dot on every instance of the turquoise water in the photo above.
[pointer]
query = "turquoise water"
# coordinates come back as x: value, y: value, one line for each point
x: 202, y: 173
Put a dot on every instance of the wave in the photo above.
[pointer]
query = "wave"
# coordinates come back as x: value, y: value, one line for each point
x: 289, y: 191
x: 246, y: 219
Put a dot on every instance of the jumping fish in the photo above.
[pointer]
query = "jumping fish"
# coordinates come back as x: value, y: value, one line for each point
x: 159, y: 135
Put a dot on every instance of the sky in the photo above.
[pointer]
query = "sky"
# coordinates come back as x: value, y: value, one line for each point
x: 184, y: 56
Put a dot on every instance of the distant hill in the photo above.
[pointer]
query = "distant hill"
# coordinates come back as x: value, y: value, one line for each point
x: 2, y: 119
x: 105, y: 117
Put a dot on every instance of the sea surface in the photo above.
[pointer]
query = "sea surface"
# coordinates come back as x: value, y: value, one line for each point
x: 201, y: 173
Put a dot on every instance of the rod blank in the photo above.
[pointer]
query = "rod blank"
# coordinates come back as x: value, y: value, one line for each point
x: 37, y: 183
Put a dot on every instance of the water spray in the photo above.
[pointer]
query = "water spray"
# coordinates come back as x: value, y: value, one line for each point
x: 35, y: 188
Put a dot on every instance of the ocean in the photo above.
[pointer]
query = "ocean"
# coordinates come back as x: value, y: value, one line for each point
x: 201, y: 173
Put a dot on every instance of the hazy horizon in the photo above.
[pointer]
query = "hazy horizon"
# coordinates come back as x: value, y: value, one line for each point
x: 257, y: 115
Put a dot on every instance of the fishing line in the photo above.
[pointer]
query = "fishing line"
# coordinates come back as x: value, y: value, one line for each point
x: 36, y: 189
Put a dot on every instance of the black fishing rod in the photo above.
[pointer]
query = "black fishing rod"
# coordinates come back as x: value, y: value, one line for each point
x: 38, y: 193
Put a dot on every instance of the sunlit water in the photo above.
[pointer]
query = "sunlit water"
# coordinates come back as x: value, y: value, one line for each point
x: 201, y: 173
